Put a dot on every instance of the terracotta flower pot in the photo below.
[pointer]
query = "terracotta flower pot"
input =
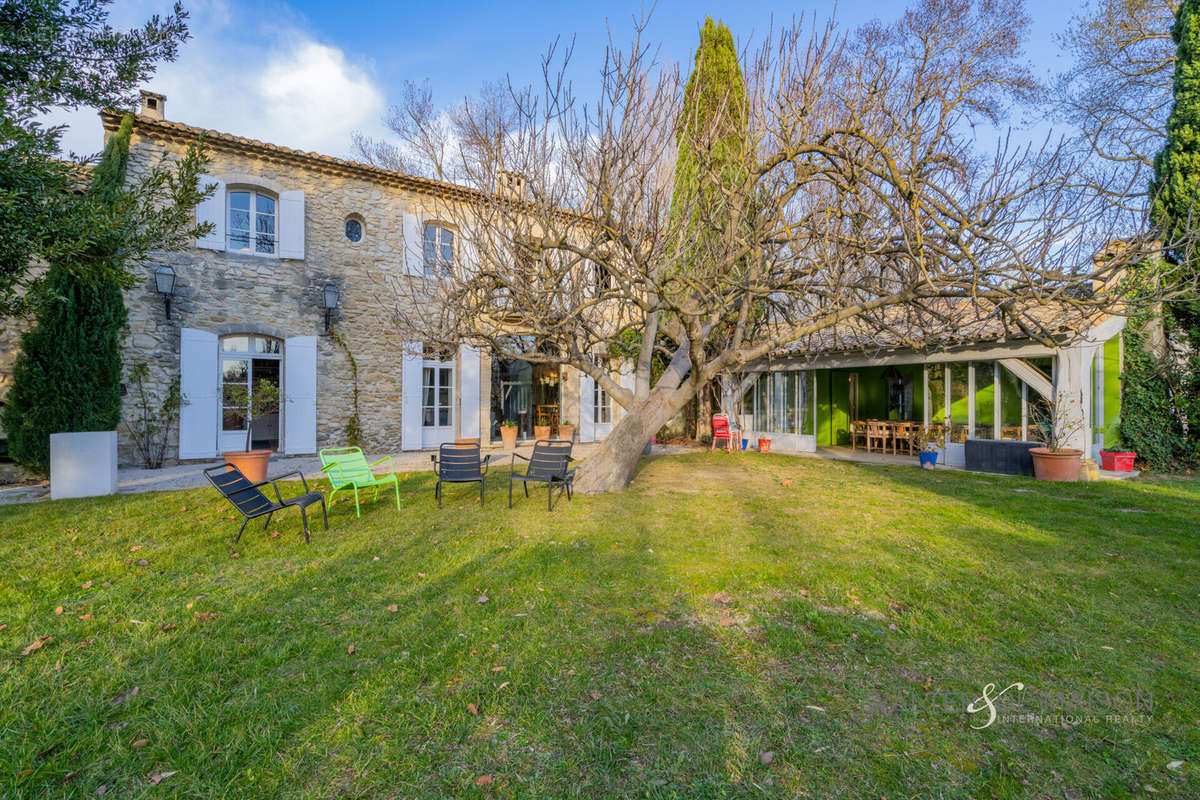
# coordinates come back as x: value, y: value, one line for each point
x: 252, y: 463
x: 508, y: 436
x: 566, y: 432
x: 541, y: 432
x: 1061, y: 465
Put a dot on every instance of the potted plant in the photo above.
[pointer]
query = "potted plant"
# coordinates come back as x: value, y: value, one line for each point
x: 566, y: 430
x: 927, y: 443
x: 1118, y: 459
x: 1054, y: 461
x: 508, y: 434
x: 253, y: 463
x: 764, y: 445
x: 541, y: 432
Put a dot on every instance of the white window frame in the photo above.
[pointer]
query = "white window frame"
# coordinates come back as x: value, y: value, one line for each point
x: 251, y: 249
x: 601, y: 406
x: 442, y: 263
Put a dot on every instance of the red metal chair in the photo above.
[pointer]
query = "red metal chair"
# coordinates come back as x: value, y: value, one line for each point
x: 720, y: 428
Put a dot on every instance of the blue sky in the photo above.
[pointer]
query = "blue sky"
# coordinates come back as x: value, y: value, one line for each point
x: 306, y: 74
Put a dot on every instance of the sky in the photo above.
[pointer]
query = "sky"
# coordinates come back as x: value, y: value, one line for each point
x: 308, y: 74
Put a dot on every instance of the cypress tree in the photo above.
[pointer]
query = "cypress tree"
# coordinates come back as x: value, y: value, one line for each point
x: 1173, y: 190
x: 67, y: 376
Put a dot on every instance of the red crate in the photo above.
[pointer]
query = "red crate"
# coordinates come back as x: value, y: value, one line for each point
x: 1117, y: 461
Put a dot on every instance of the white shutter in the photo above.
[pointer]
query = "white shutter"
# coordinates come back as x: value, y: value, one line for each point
x: 300, y: 395
x: 291, y: 224
x: 468, y: 388
x: 587, y: 422
x: 414, y: 248
x: 410, y: 397
x: 198, y: 379
x: 469, y: 258
x: 212, y: 209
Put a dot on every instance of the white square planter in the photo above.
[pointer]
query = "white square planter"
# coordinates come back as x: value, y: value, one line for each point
x: 83, y: 464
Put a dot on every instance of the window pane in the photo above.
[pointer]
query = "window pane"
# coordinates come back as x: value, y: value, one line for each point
x: 235, y: 370
x: 937, y: 394
x: 233, y: 419
x: 985, y: 399
x: 239, y: 220
x: 264, y: 345
x: 235, y: 344
x: 264, y: 204
x: 265, y: 224
x: 1010, y: 405
x: 444, y: 417
x: 430, y: 258
x: 240, y: 200
x: 959, y: 410
x: 446, y: 378
x: 444, y: 397
x: 430, y: 234
x: 805, y: 400
x: 428, y: 418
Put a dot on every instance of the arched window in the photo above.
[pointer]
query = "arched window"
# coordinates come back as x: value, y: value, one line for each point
x: 439, y: 249
x: 252, y: 214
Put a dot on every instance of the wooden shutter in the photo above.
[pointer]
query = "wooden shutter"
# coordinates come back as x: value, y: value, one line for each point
x: 199, y: 379
x: 212, y: 209
x: 300, y: 395
x: 468, y: 389
x: 414, y: 247
x: 587, y: 422
x: 410, y: 397
x: 291, y: 224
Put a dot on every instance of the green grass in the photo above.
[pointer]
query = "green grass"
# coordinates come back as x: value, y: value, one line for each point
x: 657, y: 642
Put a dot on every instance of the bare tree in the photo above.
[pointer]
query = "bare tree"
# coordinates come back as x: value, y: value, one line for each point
x: 863, y: 215
x: 1118, y: 92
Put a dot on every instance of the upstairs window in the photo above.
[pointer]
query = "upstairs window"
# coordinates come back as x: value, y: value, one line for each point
x: 439, y: 250
x: 252, y: 222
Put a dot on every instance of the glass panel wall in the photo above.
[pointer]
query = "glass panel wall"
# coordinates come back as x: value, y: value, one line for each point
x: 781, y: 402
x: 804, y: 383
x: 960, y: 411
x: 937, y: 394
x: 1011, y: 389
x: 985, y: 400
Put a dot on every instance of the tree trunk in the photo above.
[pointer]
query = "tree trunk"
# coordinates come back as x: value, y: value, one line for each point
x: 611, y: 465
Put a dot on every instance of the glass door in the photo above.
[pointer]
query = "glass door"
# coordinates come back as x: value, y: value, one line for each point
x: 250, y: 392
x: 437, y: 403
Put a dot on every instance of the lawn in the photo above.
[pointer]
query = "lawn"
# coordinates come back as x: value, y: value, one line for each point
x: 730, y: 626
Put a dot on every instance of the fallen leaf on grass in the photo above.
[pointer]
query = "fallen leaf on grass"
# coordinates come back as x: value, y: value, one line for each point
x: 816, y: 708
x: 393, y: 608
x: 594, y: 694
x: 86, y: 616
x: 471, y: 707
x: 159, y: 777
x: 787, y: 482
x: 2, y: 627
x: 87, y: 585
x: 484, y: 780
x: 500, y: 668
x: 135, y: 548
x: 483, y: 598
x: 207, y: 614
x: 36, y: 644
x: 235, y: 555
x: 101, y: 789
x: 420, y: 574
x: 350, y: 650
x: 1174, y: 765
x: 70, y: 776
x: 766, y: 757
x: 167, y: 626
x: 128, y: 694
x: 501, y: 686
x: 139, y: 743
x: 58, y: 611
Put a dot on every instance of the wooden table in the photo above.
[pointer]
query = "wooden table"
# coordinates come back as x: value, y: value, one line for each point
x: 887, y: 432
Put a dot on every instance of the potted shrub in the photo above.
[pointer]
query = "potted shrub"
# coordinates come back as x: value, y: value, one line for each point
x: 541, y: 432
x: 1053, y: 461
x: 566, y: 430
x: 927, y: 444
x: 253, y: 463
x: 508, y: 434
x: 1118, y: 459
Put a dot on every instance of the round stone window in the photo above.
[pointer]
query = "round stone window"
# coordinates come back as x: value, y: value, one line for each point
x: 354, y: 229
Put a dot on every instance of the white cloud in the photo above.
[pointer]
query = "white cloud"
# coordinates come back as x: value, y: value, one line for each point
x: 254, y: 72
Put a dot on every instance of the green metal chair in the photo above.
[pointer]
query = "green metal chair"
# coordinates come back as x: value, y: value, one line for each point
x: 348, y: 467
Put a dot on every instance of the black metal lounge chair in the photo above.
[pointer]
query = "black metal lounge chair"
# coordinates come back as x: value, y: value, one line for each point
x: 247, y: 498
x: 459, y: 463
x: 548, y: 464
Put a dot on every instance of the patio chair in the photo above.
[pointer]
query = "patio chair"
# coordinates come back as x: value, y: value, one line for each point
x: 858, y: 430
x: 878, y: 431
x: 348, y: 467
x: 459, y: 463
x: 249, y: 500
x: 721, y: 432
x: 547, y: 464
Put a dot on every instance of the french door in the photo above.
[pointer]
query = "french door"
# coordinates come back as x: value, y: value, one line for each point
x: 250, y: 367
x: 437, y: 403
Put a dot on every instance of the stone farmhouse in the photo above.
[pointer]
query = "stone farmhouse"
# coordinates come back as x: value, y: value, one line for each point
x: 303, y: 242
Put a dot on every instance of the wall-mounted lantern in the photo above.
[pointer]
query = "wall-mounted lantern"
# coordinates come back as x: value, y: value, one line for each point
x: 164, y: 282
x: 329, y: 301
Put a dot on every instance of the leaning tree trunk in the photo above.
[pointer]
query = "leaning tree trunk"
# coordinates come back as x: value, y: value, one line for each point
x: 611, y: 465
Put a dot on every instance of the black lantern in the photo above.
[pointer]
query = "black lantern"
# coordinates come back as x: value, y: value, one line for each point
x: 164, y: 282
x: 329, y: 300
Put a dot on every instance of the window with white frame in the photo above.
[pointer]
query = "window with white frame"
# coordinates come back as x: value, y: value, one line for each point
x: 252, y: 222
x: 601, y: 405
x: 439, y: 250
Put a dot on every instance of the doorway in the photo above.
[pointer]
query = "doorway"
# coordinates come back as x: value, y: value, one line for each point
x: 250, y: 391
x: 437, y: 402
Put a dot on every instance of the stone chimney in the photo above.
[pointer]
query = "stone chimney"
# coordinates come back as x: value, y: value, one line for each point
x: 154, y: 105
x: 510, y: 185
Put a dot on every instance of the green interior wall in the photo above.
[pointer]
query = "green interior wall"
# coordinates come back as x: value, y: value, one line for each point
x: 833, y: 400
x: 824, y: 409
x: 1112, y: 390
